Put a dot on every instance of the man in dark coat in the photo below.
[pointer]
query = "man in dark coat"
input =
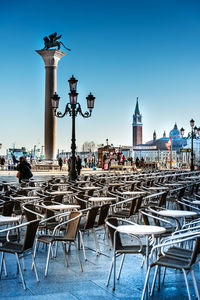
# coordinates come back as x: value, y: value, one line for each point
x: 78, y: 164
x: 24, y: 169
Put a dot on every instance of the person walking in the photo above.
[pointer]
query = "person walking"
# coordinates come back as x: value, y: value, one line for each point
x: 60, y: 162
x: 78, y: 164
x: 24, y: 169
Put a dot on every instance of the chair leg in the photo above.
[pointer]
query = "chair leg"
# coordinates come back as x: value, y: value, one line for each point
x: 34, y: 252
x: 5, y: 269
x: 96, y: 242
x: 187, y: 285
x: 114, y: 270
x: 1, y: 266
x: 143, y: 260
x: 154, y: 280
x: 121, y: 265
x: 164, y: 275
x: 20, y: 269
x: 79, y: 260
x: 23, y: 263
x: 65, y: 256
x: 48, y: 258
x: 146, y: 282
x: 55, y: 251
x: 109, y: 274
x: 195, y: 285
x: 83, y: 246
x: 35, y: 269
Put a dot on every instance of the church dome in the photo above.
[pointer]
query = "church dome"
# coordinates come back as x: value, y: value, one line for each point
x: 175, y: 132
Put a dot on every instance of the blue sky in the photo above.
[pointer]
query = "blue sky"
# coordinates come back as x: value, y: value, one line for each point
x: 120, y: 50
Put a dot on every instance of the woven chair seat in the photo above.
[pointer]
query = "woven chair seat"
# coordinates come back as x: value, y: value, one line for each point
x: 169, y: 262
x: 11, y: 247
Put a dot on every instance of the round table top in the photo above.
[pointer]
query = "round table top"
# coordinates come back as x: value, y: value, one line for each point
x: 29, y: 188
x: 176, y: 213
x: 197, y: 202
x: 90, y: 187
x: 62, y: 206
x: 141, y: 229
x: 96, y: 199
x: 115, y: 184
x: 4, y: 219
x: 60, y: 192
x: 157, y: 188
x: 133, y: 193
x: 24, y: 197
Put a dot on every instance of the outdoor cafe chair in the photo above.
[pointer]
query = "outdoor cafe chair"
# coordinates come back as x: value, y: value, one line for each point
x: 87, y: 225
x: 20, y: 249
x: 186, y: 265
x: 119, y: 248
x: 69, y: 237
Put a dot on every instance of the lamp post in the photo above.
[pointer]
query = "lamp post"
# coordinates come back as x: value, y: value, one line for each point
x: 73, y: 108
x: 192, y: 138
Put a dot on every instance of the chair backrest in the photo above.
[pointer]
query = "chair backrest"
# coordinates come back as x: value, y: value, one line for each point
x: 29, y: 210
x: 112, y: 223
x: 30, y: 235
x: 162, y: 201
x: 58, y: 198
x: 91, y: 216
x: 103, y: 214
x: 81, y: 202
x: 196, y: 251
x: 8, y: 208
x: 138, y: 203
x: 90, y: 193
x: 72, y: 227
x: 145, y: 218
x: 181, y: 193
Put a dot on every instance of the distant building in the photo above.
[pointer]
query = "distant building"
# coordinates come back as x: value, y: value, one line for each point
x: 137, y: 126
x: 158, y: 150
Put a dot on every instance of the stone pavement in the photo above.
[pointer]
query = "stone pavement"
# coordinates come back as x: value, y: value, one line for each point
x: 72, y: 284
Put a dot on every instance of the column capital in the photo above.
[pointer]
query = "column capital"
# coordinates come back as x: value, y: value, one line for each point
x: 51, y: 57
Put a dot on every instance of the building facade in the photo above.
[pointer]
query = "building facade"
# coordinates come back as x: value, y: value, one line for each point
x: 137, y: 126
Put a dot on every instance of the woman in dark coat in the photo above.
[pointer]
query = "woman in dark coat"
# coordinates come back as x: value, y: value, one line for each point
x: 24, y: 169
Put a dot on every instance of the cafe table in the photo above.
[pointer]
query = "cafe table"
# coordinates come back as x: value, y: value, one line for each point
x: 90, y: 188
x: 7, y: 220
x: 179, y: 214
x: 132, y: 193
x: 55, y: 193
x: 142, y: 230
x: 116, y: 184
x: 24, y: 198
x: 157, y: 188
x: 101, y: 199
x: 62, y: 206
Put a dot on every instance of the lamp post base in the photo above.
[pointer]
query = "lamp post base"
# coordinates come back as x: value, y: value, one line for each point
x: 73, y: 175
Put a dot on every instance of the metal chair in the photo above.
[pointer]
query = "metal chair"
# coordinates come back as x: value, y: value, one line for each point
x: 21, y: 249
x: 119, y: 248
x: 169, y: 260
x: 89, y: 225
x: 69, y: 237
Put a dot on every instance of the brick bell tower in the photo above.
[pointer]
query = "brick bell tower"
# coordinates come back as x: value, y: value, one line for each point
x: 137, y: 126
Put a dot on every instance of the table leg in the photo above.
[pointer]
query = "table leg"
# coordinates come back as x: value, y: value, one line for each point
x: 147, y: 264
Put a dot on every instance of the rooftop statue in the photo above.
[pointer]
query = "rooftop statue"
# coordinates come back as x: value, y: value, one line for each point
x: 52, y: 41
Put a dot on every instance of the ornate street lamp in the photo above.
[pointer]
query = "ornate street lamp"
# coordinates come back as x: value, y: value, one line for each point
x: 182, y: 131
x: 73, y: 108
x: 192, y: 138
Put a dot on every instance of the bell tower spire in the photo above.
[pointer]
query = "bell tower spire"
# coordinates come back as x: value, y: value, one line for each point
x: 137, y: 125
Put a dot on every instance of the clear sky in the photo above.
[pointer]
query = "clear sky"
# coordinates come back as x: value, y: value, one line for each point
x: 120, y: 50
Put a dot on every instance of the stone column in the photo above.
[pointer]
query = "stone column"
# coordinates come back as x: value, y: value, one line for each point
x: 51, y: 58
